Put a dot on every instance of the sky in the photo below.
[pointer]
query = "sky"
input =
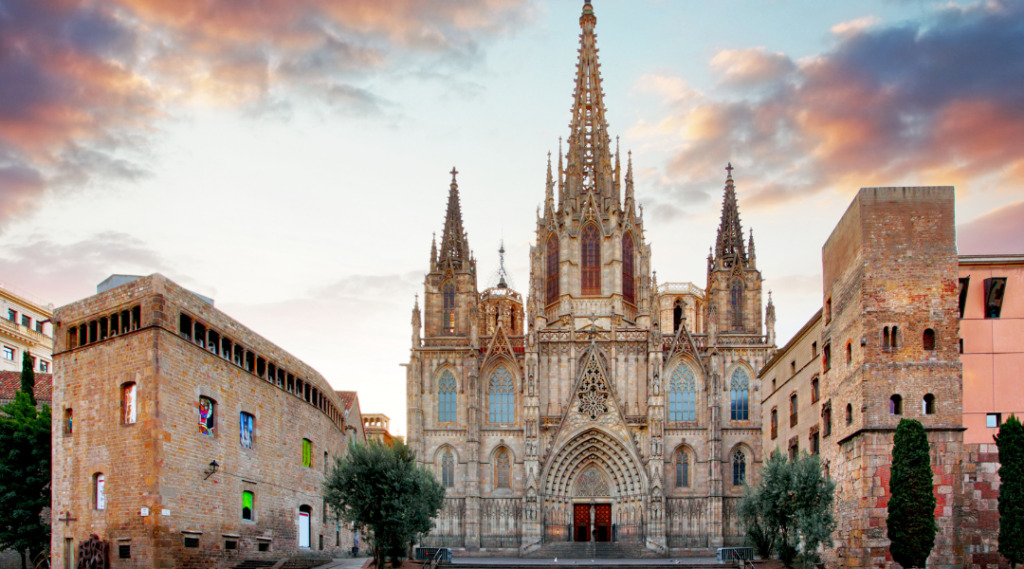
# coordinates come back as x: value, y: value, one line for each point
x: 291, y: 159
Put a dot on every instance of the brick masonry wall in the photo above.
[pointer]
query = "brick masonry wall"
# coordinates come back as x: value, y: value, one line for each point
x: 981, y: 508
x: 159, y: 462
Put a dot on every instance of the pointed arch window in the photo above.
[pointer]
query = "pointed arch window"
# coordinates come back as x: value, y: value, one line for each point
x: 740, y: 389
x: 682, y: 464
x: 448, y: 292
x: 552, y: 258
x: 447, y: 469
x: 682, y: 395
x: 590, y: 244
x: 628, y: 281
x: 500, y: 396
x: 739, y: 468
x: 736, y: 303
x: 677, y: 316
x: 501, y: 469
x: 446, y: 398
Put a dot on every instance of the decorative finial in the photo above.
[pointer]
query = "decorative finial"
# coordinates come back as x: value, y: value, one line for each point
x: 453, y: 173
x: 502, y: 281
x: 729, y: 169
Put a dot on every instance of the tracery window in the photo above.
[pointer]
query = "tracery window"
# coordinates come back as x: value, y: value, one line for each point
x: 552, y: 282
x: 682, y: 395
x: 628, y: 280
x: 448, y: 293
x: 591, y: 260
x: 501, y: 469
x: 682, y: 469
x: 447, y: 469
x: 739, y: 468
x: 740, y: 408
x: 501, y: 396
x: 446, y: 398
x: 736, y: 304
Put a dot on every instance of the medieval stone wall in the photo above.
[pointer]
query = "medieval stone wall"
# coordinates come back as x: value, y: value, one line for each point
x: 157, y: 490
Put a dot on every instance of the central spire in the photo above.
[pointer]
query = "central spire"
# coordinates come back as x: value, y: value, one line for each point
x: 454, y: 248
x: 729, y: 245
x: 589, y: 152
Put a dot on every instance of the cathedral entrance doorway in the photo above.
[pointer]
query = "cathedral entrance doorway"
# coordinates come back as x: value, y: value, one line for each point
x: 592, y: 522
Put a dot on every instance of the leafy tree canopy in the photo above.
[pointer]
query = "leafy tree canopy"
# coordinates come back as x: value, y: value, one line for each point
x: 1010, y: 441
x: 911, y: 523
x: 790, y: 511
x: 24, y: 475
x: 381, y: 488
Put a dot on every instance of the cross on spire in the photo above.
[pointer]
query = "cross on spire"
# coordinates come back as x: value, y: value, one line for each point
x: 454, y: 172
x: 729, y: 169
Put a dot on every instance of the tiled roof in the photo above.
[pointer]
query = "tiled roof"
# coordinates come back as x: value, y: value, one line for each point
x: 348, y: 397
x: 10, y: 383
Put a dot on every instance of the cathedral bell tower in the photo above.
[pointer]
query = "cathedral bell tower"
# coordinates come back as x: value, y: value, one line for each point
x: 590, y: 258
x: 734, y: 283
x: 450, y: 295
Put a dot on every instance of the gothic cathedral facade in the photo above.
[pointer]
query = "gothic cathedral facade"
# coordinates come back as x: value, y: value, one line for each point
x: 607, y: 407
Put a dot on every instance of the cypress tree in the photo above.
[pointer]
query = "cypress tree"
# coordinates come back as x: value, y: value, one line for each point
x: 911, y: 522
x: 1010, y: 441
x: 28, y: 377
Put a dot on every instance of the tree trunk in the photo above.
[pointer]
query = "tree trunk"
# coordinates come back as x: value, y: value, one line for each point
x: 24, y: 558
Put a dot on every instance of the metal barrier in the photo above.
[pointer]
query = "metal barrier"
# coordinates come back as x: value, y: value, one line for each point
x: 429, y: 553
x: 734, y: 553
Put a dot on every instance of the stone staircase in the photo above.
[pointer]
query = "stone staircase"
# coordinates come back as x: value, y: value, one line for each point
x: 300, y: 562
x: 594, y: 550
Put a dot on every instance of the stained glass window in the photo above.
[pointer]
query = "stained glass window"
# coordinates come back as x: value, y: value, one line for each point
x: 682, y: 469
x: 682, y: 395
x: 739, y: 469
x: 628, y: 281
x: 247, y: 505
x: 307, y: 453
x: 740, y: 408
x: 736, y: 304
x: 501, y: 469
x: 447, y: 469
x: 129, y: 412
x: 591, y: 260
x: 446, y: 398
x: 207, y: 416
x: 501, y: 396
x: 245, y: 427
x: 552, y: 268
x: 448, y: 292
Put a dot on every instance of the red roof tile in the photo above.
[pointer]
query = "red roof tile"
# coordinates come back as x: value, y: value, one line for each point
x: 10, y: 383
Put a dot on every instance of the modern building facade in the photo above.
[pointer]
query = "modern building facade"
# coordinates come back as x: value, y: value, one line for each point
x: 184, y: 439
x: 602, y: 407
x: 24, y: 328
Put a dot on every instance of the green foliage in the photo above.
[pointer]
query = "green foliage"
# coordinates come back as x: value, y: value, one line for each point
x: 28, y: 377
x: 24, y: 475
x: 911, y: 522
x: 381, y: 488
x: 790, y: 511
x: 1010, y: 441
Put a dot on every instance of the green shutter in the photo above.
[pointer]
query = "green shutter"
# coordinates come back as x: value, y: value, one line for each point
x: 247, y: 500
x: 307, y: 453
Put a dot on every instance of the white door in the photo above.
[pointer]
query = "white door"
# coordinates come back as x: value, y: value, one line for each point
x: 303, y: 529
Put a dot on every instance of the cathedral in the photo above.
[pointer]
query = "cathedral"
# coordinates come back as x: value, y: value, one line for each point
x: 600, y: 406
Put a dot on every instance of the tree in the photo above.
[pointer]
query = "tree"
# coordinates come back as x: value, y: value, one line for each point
x: 911, y: 523
x: 24, y: 475
x: 381, y: 488
x: 1010, y: 441
x: 28, y: 377
x: 790, y: 511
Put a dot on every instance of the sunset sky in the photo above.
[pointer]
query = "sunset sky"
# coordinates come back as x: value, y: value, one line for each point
x: 290, y: 158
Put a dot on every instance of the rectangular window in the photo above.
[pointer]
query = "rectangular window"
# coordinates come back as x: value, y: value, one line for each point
x: 993, y: 420
x: 964, y: 284
x: 26, y: 320
x: 8, y: 353
x: 191, y: 542
x: 230, y: 544
x: 99, y: 491
x: 814, y: 390
x: 129, y: 413
x: 826, y: 353
x: 207, y: 416
x: 815, y: 448
x: 247, y: 510
x: 69, y: 553
x: 12, y: 315
x: 124, y: 551
x: 44, y: 366
x: 263, y: 545
x: 794, y: 448
x: 307, y: 453
x: 246, y: 423
x: 994, y: 289
x: 39, y: 327
x: 68, y: 421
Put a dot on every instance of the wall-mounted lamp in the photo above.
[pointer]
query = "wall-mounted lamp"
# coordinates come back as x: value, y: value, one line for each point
x: 211, y: 469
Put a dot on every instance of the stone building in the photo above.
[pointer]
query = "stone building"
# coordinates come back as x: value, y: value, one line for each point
x: 603, y: 407
x: 907, y: 329
x: 184, y: 439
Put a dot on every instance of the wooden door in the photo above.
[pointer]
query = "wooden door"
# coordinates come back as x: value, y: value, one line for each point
x: 581, y: 522
x: 603, y: 522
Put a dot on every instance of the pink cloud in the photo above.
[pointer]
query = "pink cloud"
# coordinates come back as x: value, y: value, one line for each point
x: 1000, y: 231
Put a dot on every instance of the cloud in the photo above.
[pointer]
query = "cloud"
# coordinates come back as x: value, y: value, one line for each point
x: 934, y: 102
x: 84, y: 86
x: 56, y: 272
x: 855, y: 26
x: 1000, y: 231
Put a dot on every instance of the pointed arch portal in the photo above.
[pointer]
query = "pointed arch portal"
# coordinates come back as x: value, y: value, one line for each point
x: 593, y: 485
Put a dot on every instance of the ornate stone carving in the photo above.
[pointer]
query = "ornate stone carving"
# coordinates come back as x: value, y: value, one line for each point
x: 593, y: 392
x: 591, y: 484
